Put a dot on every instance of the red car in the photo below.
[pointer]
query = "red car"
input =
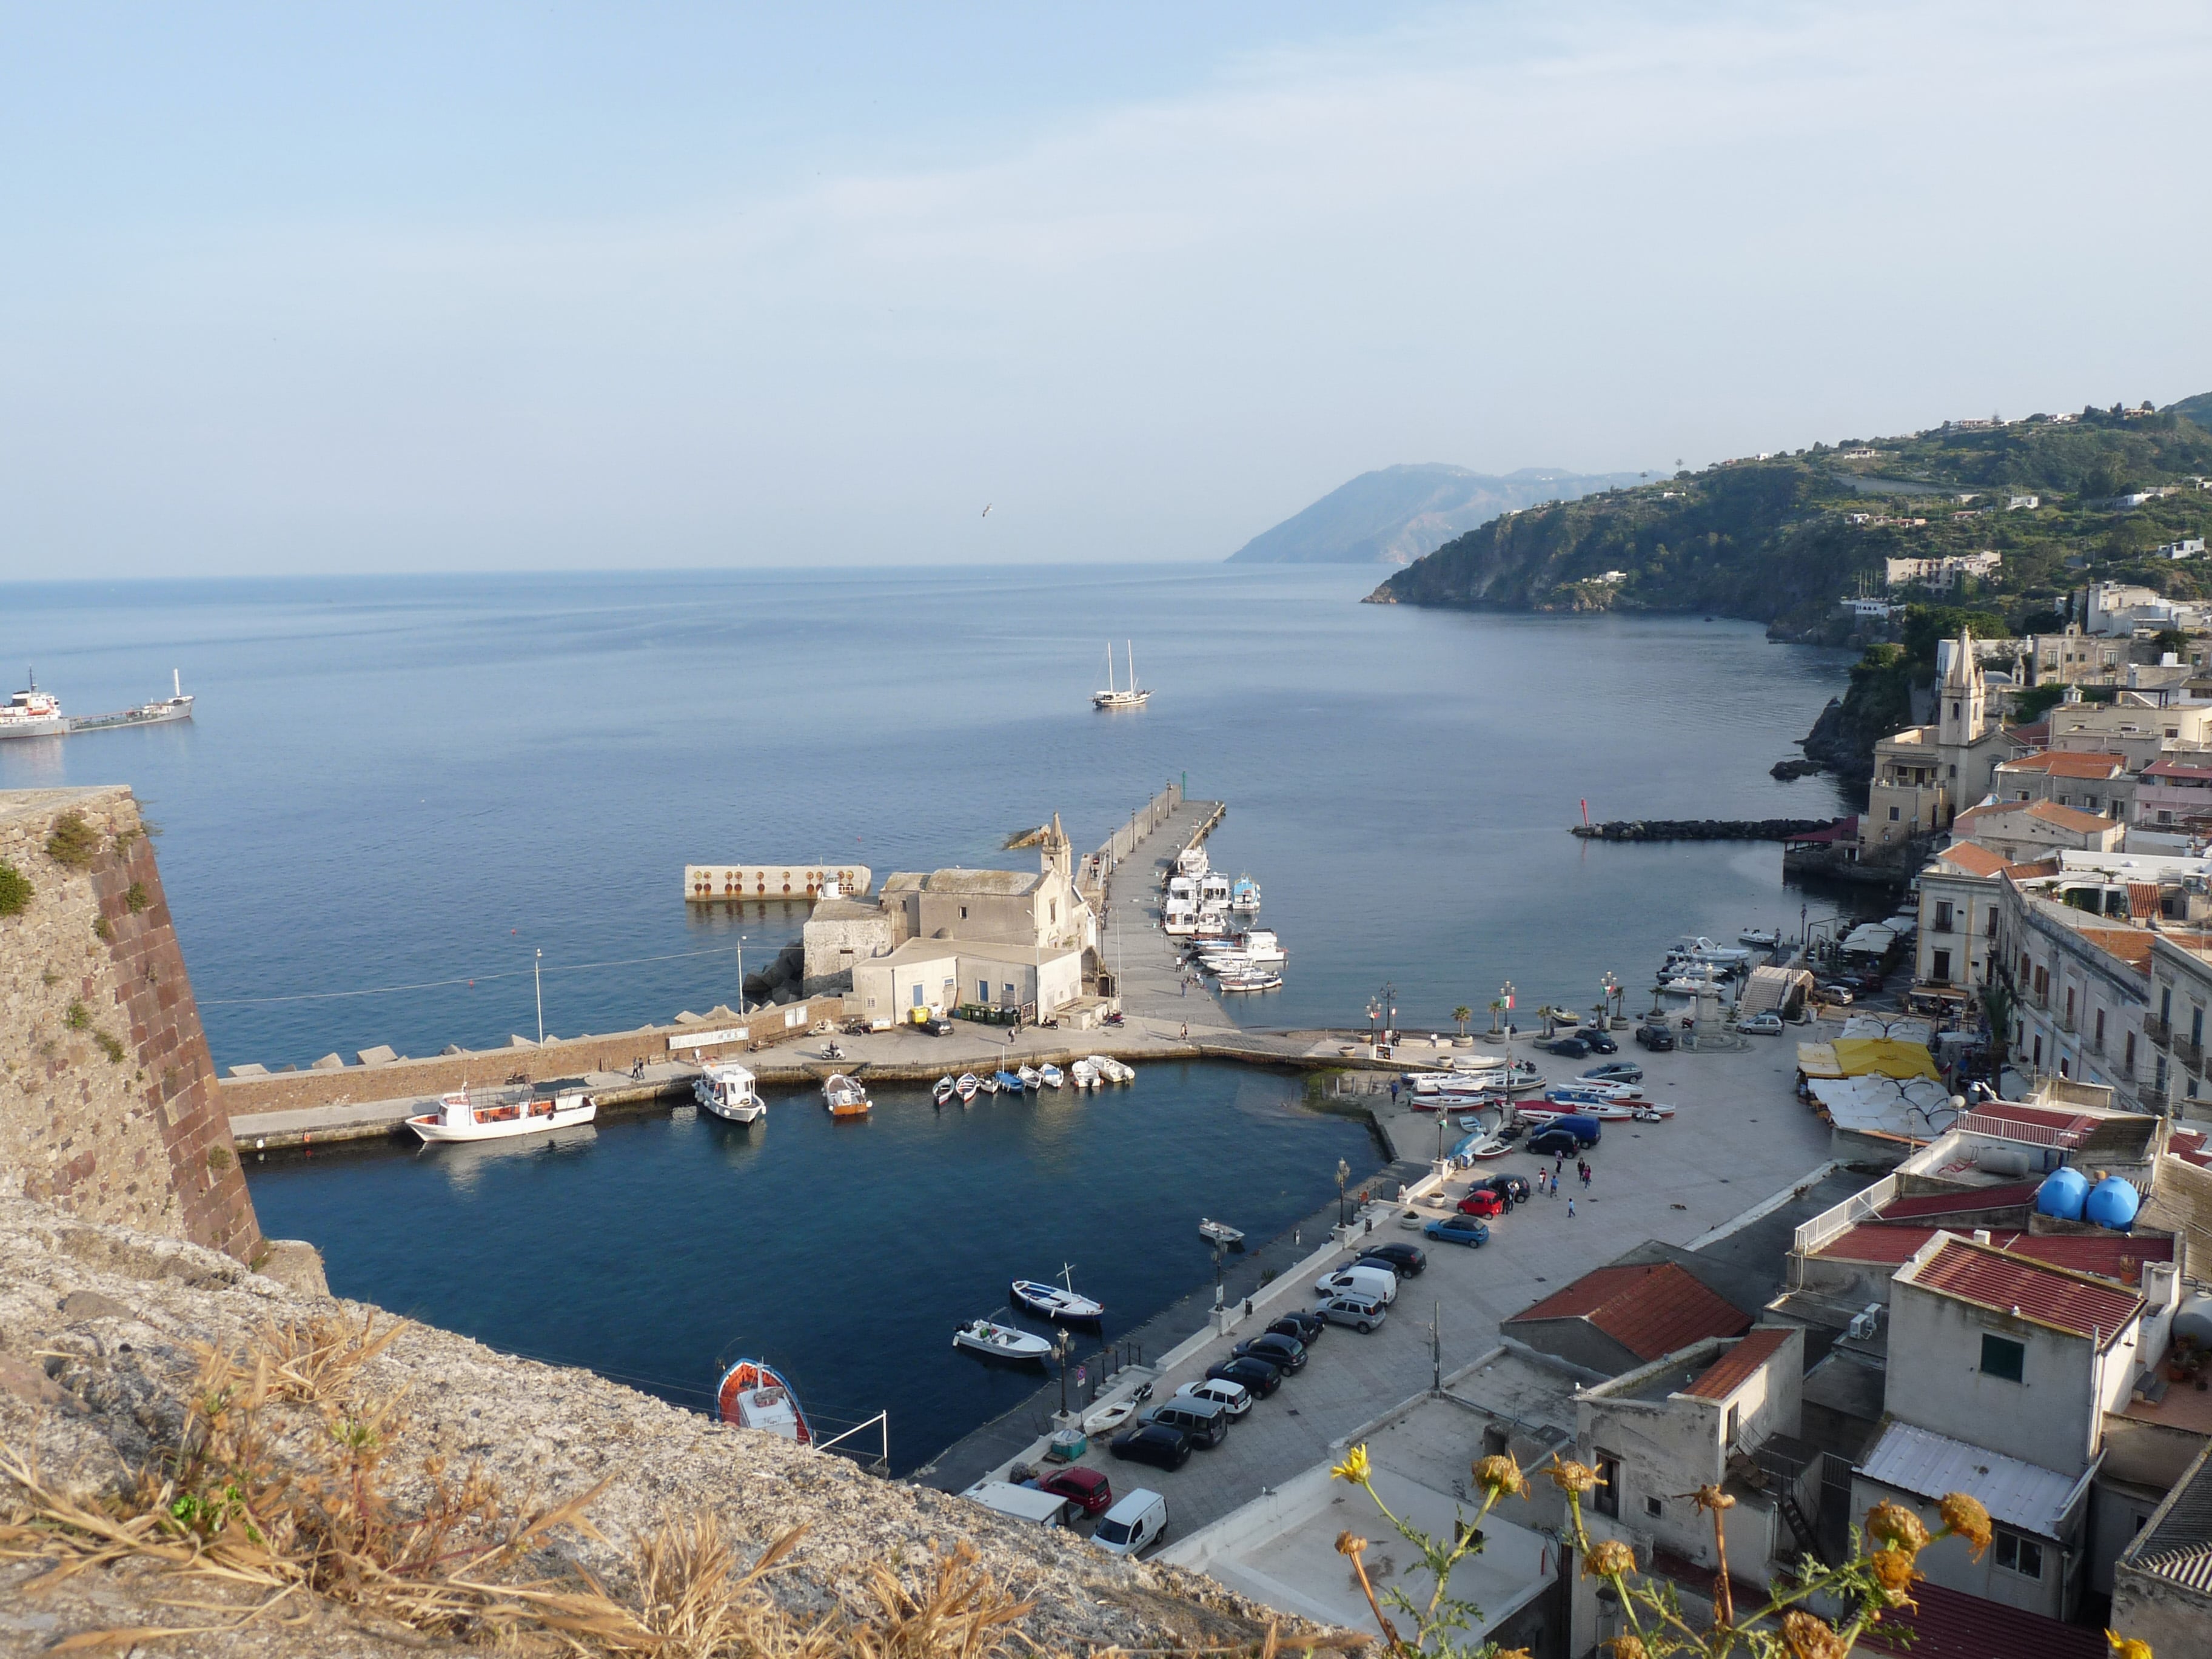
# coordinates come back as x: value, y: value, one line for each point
x: 1089, y: 1488
x: 1483, y: 1202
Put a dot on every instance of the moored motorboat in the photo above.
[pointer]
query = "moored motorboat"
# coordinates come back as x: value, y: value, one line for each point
x: 844, y: 1096
x: 727, y: 1091
x: 1029, y: 1076
x: 753, y: 1396
x: 968, y: 1083
x: 1003, y: 1342
x: 1245, y: 895
x: 1764, y: 939
x: 1009, y: 1083
x: 941, y: 1091
x: 1219, y: 1232
x: 1059, y: 1302
x: 496, y: 1113
x: 1051, y: 1076
x: 988, y: 1082
x: 1252, y: 982
x: 1084, y: 1074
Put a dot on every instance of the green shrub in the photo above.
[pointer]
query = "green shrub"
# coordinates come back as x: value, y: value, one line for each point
x: 110, y: 1046
x: 15, y: 890
x: 100, y: 930
x: 218, y: 1158
x: 78, y: 1018
x: 74, y: 842
x: 135, y: 898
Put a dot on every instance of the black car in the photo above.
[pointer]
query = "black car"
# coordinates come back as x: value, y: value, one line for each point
x: 1286, y: 1354
x: 934, y: 1027
x: 1567, y: 1047
x: 1155, y: 1443
x: 1599, y: 1042
x: 1656, y: 1038
x: 1304, y: 1326
x: 1254, y: 1372
x: 1511, y: 1187
x: 1405, y: 1259
x: 1556, y: 1142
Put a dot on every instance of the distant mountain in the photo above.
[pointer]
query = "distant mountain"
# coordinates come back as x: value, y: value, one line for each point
x: 2197, y: 409
x: 1401, y: 512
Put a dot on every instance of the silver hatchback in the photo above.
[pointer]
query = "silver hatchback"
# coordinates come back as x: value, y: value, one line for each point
x: 1364, y: 1314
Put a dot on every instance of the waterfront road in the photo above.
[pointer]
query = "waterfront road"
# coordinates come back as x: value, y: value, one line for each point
x: 1740, y: 1137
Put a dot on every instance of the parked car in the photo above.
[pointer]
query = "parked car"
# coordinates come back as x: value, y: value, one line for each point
x: 1136, y: 1523
x: 1615, y: 1071
x: 1362, y: 1281
x: 1566, y: 1137
x: 1405, y: 1259
x: 1286, y: 1354
x: 1088, y: 1489
x: 1298, y: 1322
x: 1364, y: 1314
x: 1155, y: 1443
x: 1567, y: 1047
x: 1867, y: 979
x: 1458, y: 1229
x: 1513, y: 1189
x: 1234, y: 1396
x: 1257, y: 1375
x: 1600, y: 1041
x: 1481, y: 1200
x: 934, y: 1027
x: 1835, y: 991
x: 1766, y: 1025
x: 1205, y: 1423
x: 1656, y: 1038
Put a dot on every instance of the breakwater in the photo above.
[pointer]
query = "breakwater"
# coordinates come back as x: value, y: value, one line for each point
x: 1700, y: 828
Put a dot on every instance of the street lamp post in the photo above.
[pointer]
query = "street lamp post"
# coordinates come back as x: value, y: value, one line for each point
x: 1389, y: 1013
x: 538, y: 983
x: 1343, y: 1174
x: 1506, y: 996
x: 741, y: 973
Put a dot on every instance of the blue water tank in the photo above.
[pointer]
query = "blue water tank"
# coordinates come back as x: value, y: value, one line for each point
x: 2113, y: 1204
x: 2062, y: 1194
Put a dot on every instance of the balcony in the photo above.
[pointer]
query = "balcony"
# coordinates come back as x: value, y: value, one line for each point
x: 2191, y: 1054
x: 2156, y: 1031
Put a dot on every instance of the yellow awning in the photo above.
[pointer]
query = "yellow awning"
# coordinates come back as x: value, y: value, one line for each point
x: 1882, y: 1057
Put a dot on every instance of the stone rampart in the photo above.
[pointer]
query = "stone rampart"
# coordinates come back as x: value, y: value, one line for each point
x: 109, y: 1108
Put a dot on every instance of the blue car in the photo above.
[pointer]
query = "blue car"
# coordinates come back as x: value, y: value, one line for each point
x: 1458, y: 1229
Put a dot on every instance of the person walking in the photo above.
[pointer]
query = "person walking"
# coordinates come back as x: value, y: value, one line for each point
x: 1393, y: 1091
x: 1571, y: 1206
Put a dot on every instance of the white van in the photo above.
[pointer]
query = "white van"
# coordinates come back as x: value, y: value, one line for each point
x: 1379, y: 1283
x: 1136, y: 1522
x: 1039, y: 1509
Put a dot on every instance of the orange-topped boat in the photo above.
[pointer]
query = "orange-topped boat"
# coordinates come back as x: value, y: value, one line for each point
x: 753, y: 1396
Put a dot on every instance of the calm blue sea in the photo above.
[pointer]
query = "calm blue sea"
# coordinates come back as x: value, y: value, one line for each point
x: 396, y: 791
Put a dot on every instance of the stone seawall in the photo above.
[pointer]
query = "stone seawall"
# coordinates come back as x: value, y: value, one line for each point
x: 1700, y: 828
x: 108, y: 1107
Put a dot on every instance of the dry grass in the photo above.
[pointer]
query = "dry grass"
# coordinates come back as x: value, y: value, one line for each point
x: 275, y: 1493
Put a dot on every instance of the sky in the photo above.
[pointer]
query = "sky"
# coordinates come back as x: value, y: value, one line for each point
x: 346, y: 289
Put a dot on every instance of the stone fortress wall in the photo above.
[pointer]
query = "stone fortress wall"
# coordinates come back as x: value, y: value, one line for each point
x: 109, y: 1108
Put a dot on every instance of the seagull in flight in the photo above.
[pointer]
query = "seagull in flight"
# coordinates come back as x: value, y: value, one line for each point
x: 988, y: 505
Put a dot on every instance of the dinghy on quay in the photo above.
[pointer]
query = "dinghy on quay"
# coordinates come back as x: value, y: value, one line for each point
x: 1058, y: 1303
x: 727, y: 1091
x: 1001, y: 1342
x: 752, y: 1396
x: 844, y: 1096
x: 497, y: 1114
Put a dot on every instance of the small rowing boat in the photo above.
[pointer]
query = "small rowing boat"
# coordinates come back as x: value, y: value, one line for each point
x: 941, y: 1091
x: 844, y: 1096
x: 1029, y: 1077
x: 752, y: 1396
x: 1051, y: 1076
x: 966, y: 1087
x: 1058, y: 1302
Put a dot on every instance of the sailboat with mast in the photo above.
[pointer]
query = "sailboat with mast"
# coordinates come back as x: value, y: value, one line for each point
x: 1116, y: 696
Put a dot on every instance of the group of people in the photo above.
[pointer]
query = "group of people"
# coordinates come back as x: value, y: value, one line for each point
x: 1547, y: 1181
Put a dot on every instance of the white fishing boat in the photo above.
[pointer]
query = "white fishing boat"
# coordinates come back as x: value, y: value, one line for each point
x: 1001, y: 1342
x: 967, y: 1085
x: 1245, y: 895
x: 1219, y: 1232
x: 753, y: 1396
x: 1180, y: 918
x: 1116, y: 696
x: 1112, y: 1070
x: 844, y: 1096
x: 1192, y: 862
x: 1059, y: 1302
x: 986, y: 1082
x: 1083, y: 1074
x: 1029, y: 1075
x: 1051, y: 1076
x: 941, y: 1091
x: 727, y: 1091
x: 1762, y: 939
x: 496, y: 1113
x: 1108, y: 1418
x: 1255, y: 981
x: 1213, y: 889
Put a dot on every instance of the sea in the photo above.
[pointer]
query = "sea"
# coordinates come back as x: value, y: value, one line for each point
x: 437, y: 810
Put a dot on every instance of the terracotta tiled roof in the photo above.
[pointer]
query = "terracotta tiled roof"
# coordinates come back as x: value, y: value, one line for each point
x: 2142, y: 900
x: 2029, y: 1289
x: 2117, y: 1257
x: 2188, y: 1144
x: 1735, y: 1368
x: 2166, y: 768
x: 2065, y: 817
x: 1947, y: 1624
x: 2040, y: 867
x: 1649, y: 1311
x: 2068, y: 763
x: 1975, y: 860
x: 1981, y: 1199
x: 2130, y: 944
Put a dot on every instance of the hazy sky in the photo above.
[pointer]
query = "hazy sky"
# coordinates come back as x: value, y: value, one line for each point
x: 323, y: 287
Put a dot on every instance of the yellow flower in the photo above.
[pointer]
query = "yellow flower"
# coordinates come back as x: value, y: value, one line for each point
x: 1808, y: 1637
x: 1712, y: 1498
x: 1354, y: 1467
x: 1628, y: 1647
x: 1893, y: 1570
x: 2128, y: 1647
x: 1608, y: 1559
x: 1500, y: 1477
x: 1898, y: 1527
x: 1966, y: 1517
x: 1572, y: 1477
x: 1348, y: 1543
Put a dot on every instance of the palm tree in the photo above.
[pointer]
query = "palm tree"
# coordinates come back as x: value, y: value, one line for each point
x: 1462, y: 1014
